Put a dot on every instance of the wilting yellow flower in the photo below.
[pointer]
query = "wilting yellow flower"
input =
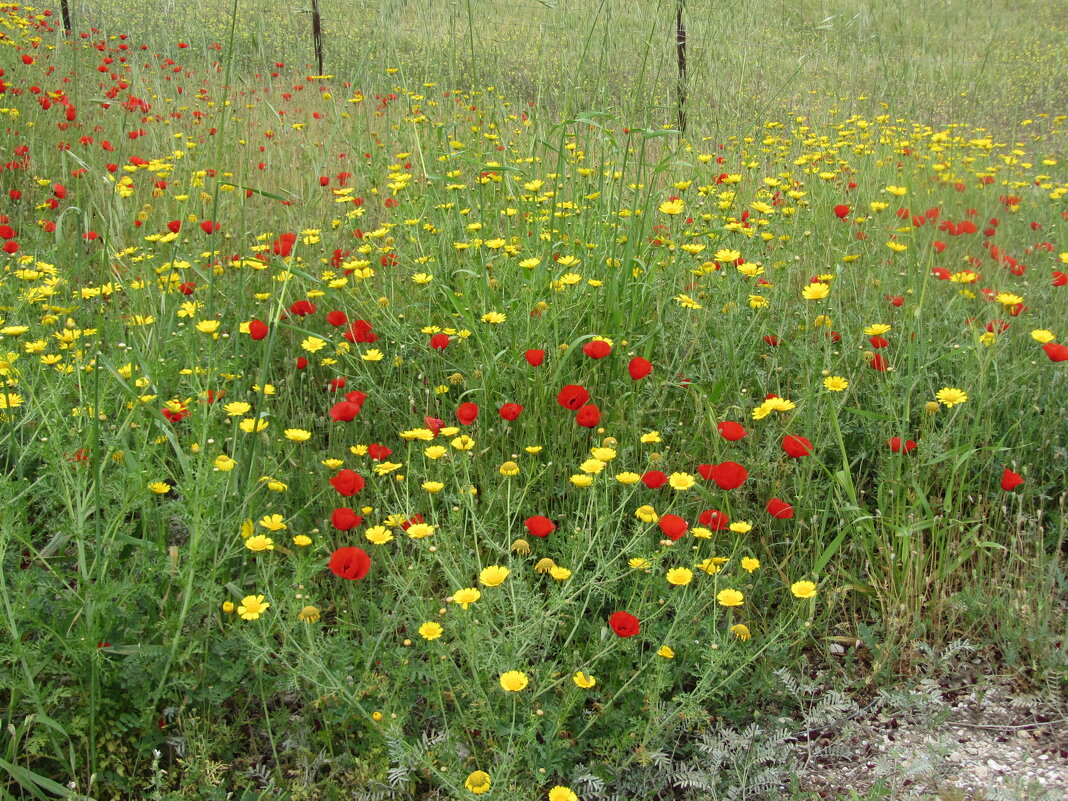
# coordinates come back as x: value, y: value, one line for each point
x: 509, y: 469
x: 950, y: 396
x: 835, y: 383
x: 466, y: 597
x: 730, y: 598
x: 159, y: 487
x: 224, y: 463
x: 297, y: 435
x: 259, y: 542
x: 544, y: 565
x: 309, y: 614
x: 803, y: 589
x: 521, y: 547
x: 431, y: 630
x: 647, y: 514
x: 514, y: 681
x: 493, y: 576
x: 478, y: 782
x: 252, y: 606
x: 584, y: 680
x: 679, y: 576
x: 741, y: 631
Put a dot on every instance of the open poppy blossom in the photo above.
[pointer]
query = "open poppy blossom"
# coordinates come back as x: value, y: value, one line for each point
x: 588, y: 416
x: 780, y: 509
x: 467, y: 413
x: 597, y: 349
x: 344, y: 412
x: 897, y: 445
x: 726, y: 475
x: 714, y: 519
x: 350, y: 563
x: 673, y: 526
x: 510, y: 411
x: 534, y: 357
x: 257, y: 329
x: 1056, y: 351
x: 347, y: 482
x: 639, y: 368
x: 573, y: 397
x: 731, y: 431
x: 624, y: 624
x: 654, y: 479
x: 796, y: 447
x: 345, y: 519
x: 439, y: 341
x: 539, y: 526
x: 1010, y: 480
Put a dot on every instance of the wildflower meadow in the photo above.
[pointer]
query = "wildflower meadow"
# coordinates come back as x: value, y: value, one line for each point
x: 453, y: 423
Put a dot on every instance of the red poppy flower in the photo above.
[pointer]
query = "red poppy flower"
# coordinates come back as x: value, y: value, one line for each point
x: 796, y: 447
x: 350, y: 563
x: 654, y: 479
x: 731, y: 431
x: 841, y: 211
x: 624, y: 624
x: 209, y: 227
x: 897, y: 446
x: 534, y: 357
x: 1010, y: 480
x: 597, y: 349
x: 877, y: 362
x: 1056, y: 351
x: 1059, y: 278
x: 356, y: 397
x: 673, y: 526
x: 467, y: 413
x: 360, y: 332
x: 411, y: 521
x: 510, y: 411
x: 573, y: 397
x: 434, y: 424
x: 378, y: 452
x: 726, y: 475
x: 439, y: 341
x: 539, y: 526
x: 257, y: 329
x: 337, y: 318
x: 336, y: 384
x: 941, y: 273
x: 345, y: 411
x: 714, y: 519
x: 772, y: 340
x: 345, y: 519
x: 347, y: 482
x: 639, y: 368
x: 301, y: 362
x: 588, y: 416
x: 779, y: 509
x: 302, y: 308
x: 878, y: 342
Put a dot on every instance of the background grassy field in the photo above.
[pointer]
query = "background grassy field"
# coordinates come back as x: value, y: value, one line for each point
x: 867, y: 210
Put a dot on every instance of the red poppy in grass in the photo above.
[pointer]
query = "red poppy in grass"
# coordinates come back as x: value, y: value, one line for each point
x: 796, y: 447
x: 350, y: 563
x: 336, y: 384
x: 731, y: 430
x: 301, y: 362
x: 10, y: 247
x: 539, y: 526
x: 174, y: 226
x: 879, y: 342
x: 1010, y: 480
x: 257, y: 329
x: 356, y: 397
x: 728, y: 475
x: 1056, y: 351
x: 347, y: 482
x: 997, y: 326
x: 345, y: 411
x: 360, y: 332
x: 337, y: 318
x: 378, y: 452
x: 939, y: 246
x: 534, y: 357
x: 639, y: 368
x: 897, y: 446
x: 1059, y: 278
x: 302, y: 308
x: 345, y: 519
x: 841, y: 211
x: 439, y: 341
x: 654, y: 479
x: 588, y: 416
x: 624, y: 624
x: 510, y: 411
x: 283, y: 246
x: 714, y: 519
x: 941, y: 273
x: 209, y: 227
x: 572, y: 397
x: 434, y: 424
x: 673, y: 526
x: 597, y: 349
x: 772, y: 340
x: 896, y: 300
x: 780, y: 509
x: 411, y: 521
x: 877, y: 362
x: 467, y: 413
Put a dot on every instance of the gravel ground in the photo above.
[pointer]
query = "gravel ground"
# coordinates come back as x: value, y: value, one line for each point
x: 977, y: 741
